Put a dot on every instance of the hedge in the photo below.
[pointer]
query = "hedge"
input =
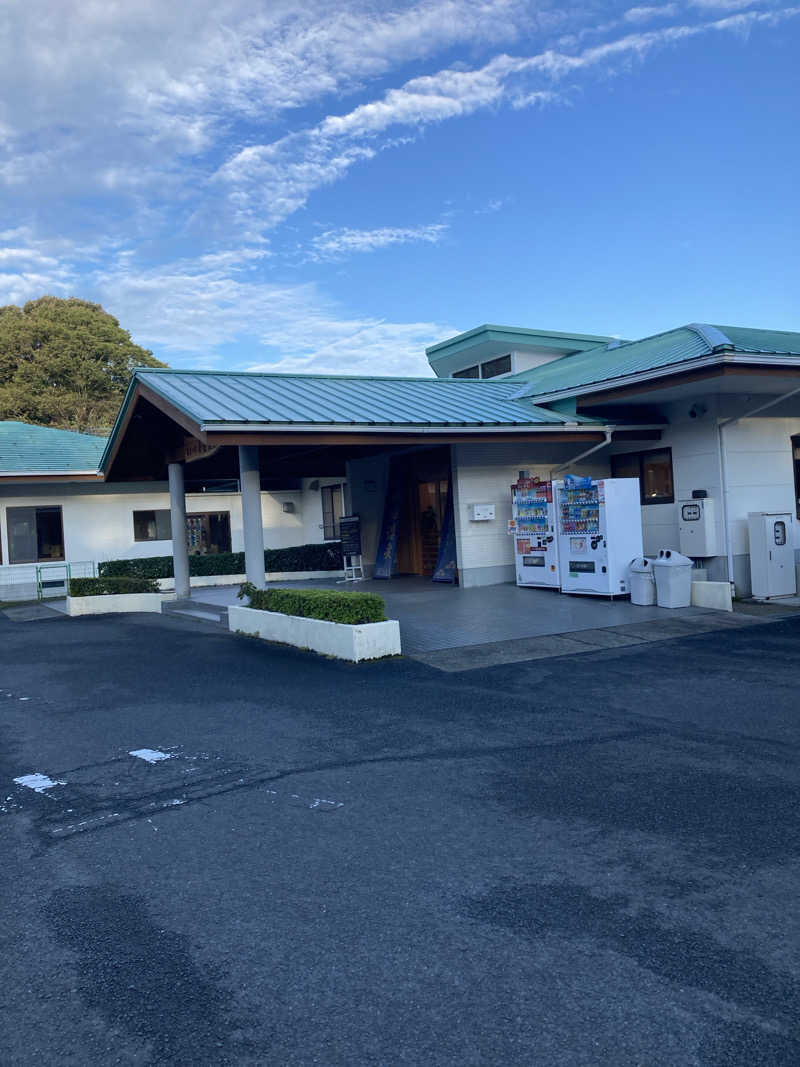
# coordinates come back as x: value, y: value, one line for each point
x: 320, y: 557
x: 110, y: 586
x: 331, y: 605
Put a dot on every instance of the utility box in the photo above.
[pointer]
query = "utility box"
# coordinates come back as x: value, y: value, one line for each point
x: 772, y: 570
x: 697, y: 527
x: 481, y: 512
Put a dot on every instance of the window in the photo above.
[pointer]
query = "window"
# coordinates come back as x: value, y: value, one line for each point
x: 796, y: 463
x: 331, y: 511
x: 209, y: 533
x: 654, y: 471
x: 152, y: 526
x: 469, y: 372
x: 35, y: 535
x: 501, y: 365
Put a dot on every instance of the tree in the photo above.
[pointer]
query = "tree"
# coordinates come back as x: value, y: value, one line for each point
x: 65, y: 363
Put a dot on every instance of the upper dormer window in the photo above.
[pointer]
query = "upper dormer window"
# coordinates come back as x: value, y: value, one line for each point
x: 501, y: 365
x: 468, y: 372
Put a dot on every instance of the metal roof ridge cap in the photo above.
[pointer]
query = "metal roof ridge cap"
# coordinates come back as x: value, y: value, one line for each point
x: 713, y: 336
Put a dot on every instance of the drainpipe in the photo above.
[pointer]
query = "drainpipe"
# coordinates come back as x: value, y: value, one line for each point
x: 583, y: 455
x: 723, y: 470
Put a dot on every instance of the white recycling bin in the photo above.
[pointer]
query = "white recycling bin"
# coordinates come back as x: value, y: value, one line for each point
x: 643, y: 582
x: 673, y: 579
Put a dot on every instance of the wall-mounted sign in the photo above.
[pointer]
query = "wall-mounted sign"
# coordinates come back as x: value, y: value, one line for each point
x: 194, y: 449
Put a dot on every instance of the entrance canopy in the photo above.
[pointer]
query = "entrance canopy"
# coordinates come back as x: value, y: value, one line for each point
x: 310, y: 425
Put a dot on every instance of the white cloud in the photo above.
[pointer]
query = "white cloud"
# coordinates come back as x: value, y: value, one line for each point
x: 645, y: 13
x: 335, y: 243
x: 186, y: 310
x: 268, y: 182
x: 721, y: 5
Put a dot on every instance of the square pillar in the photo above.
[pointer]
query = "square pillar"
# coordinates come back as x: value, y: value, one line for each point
x: 253, y: 528
x: 177, y: 514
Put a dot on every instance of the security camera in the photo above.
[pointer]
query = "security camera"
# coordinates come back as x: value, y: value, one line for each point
x: 696, y: 411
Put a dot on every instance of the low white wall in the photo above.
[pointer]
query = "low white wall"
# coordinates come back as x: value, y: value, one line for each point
x: 113, y: 602
x: 201, y: 580
x: 371, y: 640
x: 716, y: 595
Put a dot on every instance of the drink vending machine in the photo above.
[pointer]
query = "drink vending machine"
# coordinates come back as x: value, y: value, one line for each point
x: 599, y: 533
x: 533, y: 526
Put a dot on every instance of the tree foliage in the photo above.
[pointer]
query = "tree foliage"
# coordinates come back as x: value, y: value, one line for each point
x: 65, y: 363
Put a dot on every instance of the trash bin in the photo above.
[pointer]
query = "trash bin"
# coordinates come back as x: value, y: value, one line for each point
x: 673, y: 574
x: 643, y: 582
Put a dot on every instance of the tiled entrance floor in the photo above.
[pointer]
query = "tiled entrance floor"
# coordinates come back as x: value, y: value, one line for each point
x: 454, y: 629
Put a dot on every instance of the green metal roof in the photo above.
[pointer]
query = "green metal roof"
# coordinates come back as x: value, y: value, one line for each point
x: 672, y: 348
x: 516, y: 335
x: 772, y: 342
x: 27, y: 449
x: 228, y: 397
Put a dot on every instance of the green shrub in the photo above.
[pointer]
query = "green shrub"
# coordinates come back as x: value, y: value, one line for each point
x: 331, y: 605
x: 320, y: 557
x: 148, y: 567
x: 111, y: 586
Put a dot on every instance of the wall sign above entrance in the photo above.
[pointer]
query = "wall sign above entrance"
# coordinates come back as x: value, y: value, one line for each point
x: 194, y: 449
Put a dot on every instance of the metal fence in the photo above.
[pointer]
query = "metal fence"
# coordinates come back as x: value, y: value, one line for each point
x: 37, y: 581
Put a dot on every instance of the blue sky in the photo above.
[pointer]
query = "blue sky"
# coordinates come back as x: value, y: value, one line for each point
x: 247, y: 185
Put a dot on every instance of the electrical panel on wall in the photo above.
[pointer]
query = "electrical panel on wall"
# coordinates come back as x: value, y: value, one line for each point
x: 481, y: 512
x: 697, y: 527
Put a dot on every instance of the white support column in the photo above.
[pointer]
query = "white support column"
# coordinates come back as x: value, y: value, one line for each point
x: 177, y: 514
x: 253, y: 529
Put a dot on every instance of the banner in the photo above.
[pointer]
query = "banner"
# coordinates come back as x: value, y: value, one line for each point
x: 386, y: 562
x: 446, y: 565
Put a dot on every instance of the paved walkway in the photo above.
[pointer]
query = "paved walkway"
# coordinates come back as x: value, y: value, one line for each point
x: 456, y: 629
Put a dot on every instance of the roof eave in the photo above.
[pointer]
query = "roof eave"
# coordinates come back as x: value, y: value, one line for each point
x: 715, y: 359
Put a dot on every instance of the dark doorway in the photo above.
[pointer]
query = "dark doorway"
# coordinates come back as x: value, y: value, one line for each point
x: 417, y: 504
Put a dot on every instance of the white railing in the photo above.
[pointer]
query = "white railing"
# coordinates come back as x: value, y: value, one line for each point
x: 36, y: 581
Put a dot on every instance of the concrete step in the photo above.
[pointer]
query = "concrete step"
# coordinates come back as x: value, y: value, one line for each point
x: 197, y: 609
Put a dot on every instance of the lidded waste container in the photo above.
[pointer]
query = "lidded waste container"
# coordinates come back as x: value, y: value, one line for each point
x: 673, y: 574
x: 643, y: 582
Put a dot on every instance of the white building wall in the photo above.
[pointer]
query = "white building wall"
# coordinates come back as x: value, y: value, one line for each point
x: 98, y: 519
x: 760, y: 478
x: 484, y: 474
x: 695, y: 465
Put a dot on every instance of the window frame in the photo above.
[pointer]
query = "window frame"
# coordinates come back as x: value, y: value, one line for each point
x: 337, y: 534
x: 154, y: 512
x: 641, y: 457
x: 794, y: 441
x: 493, y: 362
x: 206, y: 516
x: 36, y: 510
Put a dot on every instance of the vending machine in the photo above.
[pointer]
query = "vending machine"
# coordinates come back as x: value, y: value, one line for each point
x: 599, y: 533
x: 533, y: 526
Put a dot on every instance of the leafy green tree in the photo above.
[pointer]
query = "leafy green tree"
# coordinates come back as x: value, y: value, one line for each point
x: 65, y: 363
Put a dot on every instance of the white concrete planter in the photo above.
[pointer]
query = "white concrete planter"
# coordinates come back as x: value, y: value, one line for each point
x: 365, y: 641
x: 715, y: 595
x: 102, y: 605
x: 200, y: 580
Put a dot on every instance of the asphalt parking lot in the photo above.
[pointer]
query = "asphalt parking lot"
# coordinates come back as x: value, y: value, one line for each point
x: 240, y: 854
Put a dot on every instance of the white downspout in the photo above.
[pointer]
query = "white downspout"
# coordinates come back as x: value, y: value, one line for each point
x: 583, y: 455
x: 723, y: 470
